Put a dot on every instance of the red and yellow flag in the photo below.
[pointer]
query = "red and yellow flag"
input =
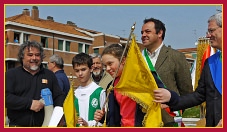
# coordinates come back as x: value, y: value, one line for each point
x: 138, y: 83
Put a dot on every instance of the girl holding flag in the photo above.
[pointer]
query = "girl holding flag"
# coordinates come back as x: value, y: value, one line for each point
x: 122, y: 110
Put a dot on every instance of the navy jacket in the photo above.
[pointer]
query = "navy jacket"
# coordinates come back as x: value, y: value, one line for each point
x: 206, y: 91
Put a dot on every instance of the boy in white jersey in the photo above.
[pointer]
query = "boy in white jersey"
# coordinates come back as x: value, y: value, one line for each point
x: 88, y: 96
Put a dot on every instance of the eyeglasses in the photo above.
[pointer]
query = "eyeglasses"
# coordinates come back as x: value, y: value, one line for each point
x: 211, y: 30
x: 49, y: 62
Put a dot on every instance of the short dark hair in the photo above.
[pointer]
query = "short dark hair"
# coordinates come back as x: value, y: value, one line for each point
x: 82, y: 58
x: 159, y: 25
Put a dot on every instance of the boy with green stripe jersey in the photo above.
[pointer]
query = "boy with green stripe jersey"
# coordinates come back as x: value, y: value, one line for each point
x: 88, y: 96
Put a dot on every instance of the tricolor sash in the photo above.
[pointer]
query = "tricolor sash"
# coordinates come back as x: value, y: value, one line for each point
x: 215, y: 64
x: 160, y: 84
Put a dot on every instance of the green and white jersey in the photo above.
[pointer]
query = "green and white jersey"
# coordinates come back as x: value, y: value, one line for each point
x: 87, y: 100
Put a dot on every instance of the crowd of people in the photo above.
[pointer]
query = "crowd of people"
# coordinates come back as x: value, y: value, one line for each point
x: 96, y: 73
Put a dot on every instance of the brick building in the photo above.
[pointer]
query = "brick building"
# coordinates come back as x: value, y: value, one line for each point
x: 57, y: 38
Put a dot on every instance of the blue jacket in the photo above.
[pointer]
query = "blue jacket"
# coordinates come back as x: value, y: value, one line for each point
x: 63, y: 81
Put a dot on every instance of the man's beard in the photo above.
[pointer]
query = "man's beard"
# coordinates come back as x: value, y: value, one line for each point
x: 34, y: 68
x: 96, y: 73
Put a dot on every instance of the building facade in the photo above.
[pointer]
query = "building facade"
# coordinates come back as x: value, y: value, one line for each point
x: 66, y: 40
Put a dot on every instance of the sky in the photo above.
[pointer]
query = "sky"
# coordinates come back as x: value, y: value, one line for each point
x: 185, y: 24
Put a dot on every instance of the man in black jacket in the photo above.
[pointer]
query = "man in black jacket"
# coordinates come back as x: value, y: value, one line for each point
x: 24, y: 85
x: 210, y: 84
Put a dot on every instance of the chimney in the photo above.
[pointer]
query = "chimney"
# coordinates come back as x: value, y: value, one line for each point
x: 71, y: 23
x: 35, y: 13
x: 26, y: 12
x: 50, y: 18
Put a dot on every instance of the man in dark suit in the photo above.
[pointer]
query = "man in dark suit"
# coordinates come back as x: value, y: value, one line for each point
x: 210, y: 84
x: 170, y: 65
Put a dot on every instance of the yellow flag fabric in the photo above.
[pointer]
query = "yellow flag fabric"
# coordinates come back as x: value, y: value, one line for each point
x: 69, y: 109
x: 204, y: 50
x: 138, y: 83
x: 201, y: 48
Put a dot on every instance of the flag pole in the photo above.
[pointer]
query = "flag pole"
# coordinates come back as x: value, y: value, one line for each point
x: 115, y: 74
x: 129, y: 38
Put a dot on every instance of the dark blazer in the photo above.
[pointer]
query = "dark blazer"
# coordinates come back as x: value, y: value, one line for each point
x: 174, y: 71
x: 206, y: 91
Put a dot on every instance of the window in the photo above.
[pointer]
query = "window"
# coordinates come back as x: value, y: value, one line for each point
x: 80, y: 48
x: 6, y: 38
x: 44, y: 41
x: 10, y: 64
x: 60, y: 44
x: 83, y: 48
x: 96, y: 50
x: 26, y: 37
x: 67, y: 46
x: 87, y: 49
x: 16, y: 37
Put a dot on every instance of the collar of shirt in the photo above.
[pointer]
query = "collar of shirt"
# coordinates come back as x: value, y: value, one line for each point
x: 154, y: 55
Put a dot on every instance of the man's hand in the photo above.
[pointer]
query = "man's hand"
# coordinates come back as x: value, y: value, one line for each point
x: 162, y: 95
x: 36, y: 105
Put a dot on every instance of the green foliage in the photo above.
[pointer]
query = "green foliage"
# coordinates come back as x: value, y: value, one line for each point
x: 193, y: 112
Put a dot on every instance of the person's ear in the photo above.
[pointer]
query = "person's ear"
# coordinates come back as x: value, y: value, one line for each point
x: 54, y: 63
x: 160, y: 33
